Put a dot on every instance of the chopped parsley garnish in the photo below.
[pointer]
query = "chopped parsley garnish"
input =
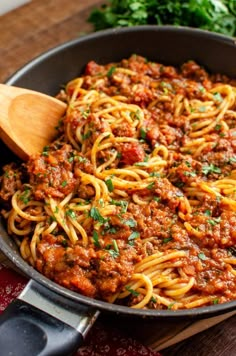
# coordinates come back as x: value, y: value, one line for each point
x: 202, y: 89
x: 151, y: 185
x: 214, y: 221
x: 132, y: 291
x: 109, y: 184
x: 85, y: 113
x: 215, y: 301
x: 113, y: 253
x: 95, y: 214
x: 232, y: 159
x: 109, y: 230
x: 45, y: 151
x: 190, y: 174
x: 218, y: 127
x: 143, y: 133
x: 71, y: 213
x: 81, y: 159
x: 132, y: 237
x: 130, y: 222
x: 64, y: 184
x: 153, y: 299
x: 111, y: 71
x: 202, y: 256
x: 135, y: 115
x: 64, y: 243
x: 211, y: 169
x: 141, y: 164
x: 157, y: 199
x: 122, y: 203
x: 166, y: 240
x: 155, y: 174
x: 170, y: 306
x: 116, y: 248
x: 96, y: 239
x: 101, y: 202
x: 25, y: 196
x: 207, y: 213
x: 218, y: 97
x: 202, y: 109
x: 86, y: 135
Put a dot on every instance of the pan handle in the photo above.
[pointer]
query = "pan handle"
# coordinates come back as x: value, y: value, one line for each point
x: 42, y: 323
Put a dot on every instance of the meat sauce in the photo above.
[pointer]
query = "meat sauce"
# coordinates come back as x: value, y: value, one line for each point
x: 98, y: 270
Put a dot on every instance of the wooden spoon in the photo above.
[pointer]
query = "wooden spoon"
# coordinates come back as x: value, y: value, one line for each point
x: 28, y: 119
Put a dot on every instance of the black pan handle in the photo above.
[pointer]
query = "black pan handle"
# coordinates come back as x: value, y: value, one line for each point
x: 42, y: 323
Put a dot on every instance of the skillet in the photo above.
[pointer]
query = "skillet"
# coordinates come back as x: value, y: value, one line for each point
x: 47, y: 319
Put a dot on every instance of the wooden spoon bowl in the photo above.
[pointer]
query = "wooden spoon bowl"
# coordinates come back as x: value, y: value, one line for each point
x: 28, y: 119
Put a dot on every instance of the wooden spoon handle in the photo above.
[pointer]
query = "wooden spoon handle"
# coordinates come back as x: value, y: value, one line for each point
x: 28, y: 119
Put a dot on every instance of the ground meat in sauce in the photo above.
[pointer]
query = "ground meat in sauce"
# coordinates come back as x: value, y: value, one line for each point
x: 116, y: 241
x: 51, y: 173
x: 10, y: 181
x: 84, y: 270
x: 131, y: 153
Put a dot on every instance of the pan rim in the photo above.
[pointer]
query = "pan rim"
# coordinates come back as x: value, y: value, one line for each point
x: 33, y: 273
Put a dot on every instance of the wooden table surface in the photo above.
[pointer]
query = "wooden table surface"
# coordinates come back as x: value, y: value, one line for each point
x: 42, y: 24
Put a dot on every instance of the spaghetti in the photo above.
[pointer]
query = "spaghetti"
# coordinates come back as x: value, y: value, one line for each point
x: 135, y: 201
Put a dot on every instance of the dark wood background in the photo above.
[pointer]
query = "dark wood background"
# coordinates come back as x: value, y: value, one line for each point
x: 40, y: 25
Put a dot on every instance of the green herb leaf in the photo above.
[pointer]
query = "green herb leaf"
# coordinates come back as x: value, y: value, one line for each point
x: 218, y: 127
x: 218, y: 97
x: 151, y: 185
x: 141, y: 164
x: 232, y: 159
x: 96, y: 239
x: 211, y: 169
x: 111, y: 71
x: 122, y: 203
x: 215, y: 301
x: 45, y: 151
x: 64, y: 243
x: 130, y: 222
x: 202, y: 109
x: 71, y: 213
x: 214, y: 221
x: 143, y: 133
x: 109, y: 184
x: 207, y: 213
x: 202, y: 256
x: 25, y: 197
x: 166, y: 240
x: 132, y: 291
x: 113, y: 253
x: 95, y: 214
x: 153, y: 299
x: 64, y: 184
x: 132, y: 237
x: 155, y: 174
x: 190, y: 174
x: 116, y: 248
x: 86, y: 135
x: 81, y: 159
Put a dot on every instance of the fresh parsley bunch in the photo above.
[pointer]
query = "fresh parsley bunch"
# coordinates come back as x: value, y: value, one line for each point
x: 212, y: 15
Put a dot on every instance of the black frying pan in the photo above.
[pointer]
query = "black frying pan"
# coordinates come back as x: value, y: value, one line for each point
x: 48, y: 319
